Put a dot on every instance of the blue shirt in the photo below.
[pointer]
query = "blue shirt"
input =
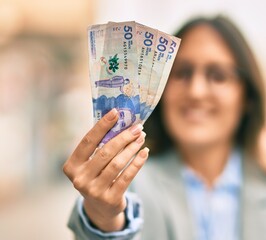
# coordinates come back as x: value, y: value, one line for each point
x: 215, y: 211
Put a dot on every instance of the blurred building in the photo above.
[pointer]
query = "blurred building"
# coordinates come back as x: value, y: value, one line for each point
x: 44, y: 110
x: 43, y: 64
x: 45, y: 103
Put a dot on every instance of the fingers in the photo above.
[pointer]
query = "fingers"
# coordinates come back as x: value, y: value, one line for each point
x: 104, y: 155
x: 122, y: 182
x: 78, y: 163
x: 90, y: 141
x: 118, y: 163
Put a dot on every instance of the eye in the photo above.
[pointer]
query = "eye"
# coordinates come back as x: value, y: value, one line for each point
x: 123, y: 124
x: 218, y: 75
x: 182, y: 73
x: 122, y: 114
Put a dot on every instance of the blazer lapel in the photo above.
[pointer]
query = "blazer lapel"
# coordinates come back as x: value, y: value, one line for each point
x: 180, y: 220
x: 253, y: 225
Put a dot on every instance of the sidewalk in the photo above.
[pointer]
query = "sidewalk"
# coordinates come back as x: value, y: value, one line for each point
x: 42, y: 215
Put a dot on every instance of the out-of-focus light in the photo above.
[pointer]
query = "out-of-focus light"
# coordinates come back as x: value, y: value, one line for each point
x: 57, y: 18
x: 11, y: 20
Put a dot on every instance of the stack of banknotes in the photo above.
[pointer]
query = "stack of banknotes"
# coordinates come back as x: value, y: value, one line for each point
x: 129, y: 65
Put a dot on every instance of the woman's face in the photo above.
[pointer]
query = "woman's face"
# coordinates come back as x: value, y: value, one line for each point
x: 204, y: 98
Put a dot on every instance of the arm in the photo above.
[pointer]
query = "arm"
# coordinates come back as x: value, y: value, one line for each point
x: 81, y: 225
x: 99, y: 175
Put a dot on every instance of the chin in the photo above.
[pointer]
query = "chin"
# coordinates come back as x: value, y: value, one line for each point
x: 198, y: 139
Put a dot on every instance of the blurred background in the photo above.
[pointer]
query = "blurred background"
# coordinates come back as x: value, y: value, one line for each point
x: 45, y: 102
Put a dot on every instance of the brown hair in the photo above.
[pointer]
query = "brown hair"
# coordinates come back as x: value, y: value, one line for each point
x: 252, y: 121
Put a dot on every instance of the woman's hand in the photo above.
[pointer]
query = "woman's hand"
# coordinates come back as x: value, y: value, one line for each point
x: 96, y: 173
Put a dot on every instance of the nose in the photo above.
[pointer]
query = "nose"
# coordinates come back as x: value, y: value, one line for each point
x: 198, y: 86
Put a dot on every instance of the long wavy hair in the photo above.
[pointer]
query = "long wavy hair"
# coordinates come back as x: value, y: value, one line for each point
x: 253, y: 120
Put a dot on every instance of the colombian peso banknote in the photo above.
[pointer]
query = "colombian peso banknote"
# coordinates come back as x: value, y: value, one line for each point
x: 129, y: 64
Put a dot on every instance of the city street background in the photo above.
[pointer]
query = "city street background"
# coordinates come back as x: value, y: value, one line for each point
x: 45, y: 101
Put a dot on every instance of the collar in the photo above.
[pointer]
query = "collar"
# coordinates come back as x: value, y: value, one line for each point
x: 231, y: 177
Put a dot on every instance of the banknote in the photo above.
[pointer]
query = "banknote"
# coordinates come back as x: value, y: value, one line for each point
x: 174, y: 46
x: 129, y: 64
x: 146, y: 43
x: 96, y: 37
x: 118, y: 84
x: 159, y: 60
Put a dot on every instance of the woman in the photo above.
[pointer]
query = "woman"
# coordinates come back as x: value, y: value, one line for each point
x: 203, y: 181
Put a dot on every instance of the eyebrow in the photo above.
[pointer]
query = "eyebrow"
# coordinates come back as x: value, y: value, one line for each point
x: 186, y: 62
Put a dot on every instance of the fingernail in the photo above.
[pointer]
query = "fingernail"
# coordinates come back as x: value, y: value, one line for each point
x: 141, y: 138
x: 136, y: 129
x: 111, y: 115
x: 144, y: 153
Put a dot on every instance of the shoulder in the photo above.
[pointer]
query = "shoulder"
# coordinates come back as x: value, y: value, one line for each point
x: 253, y: 199
x: 252, y: 171
x: 160, y: 171
x: 254, y: 178
x: 163, y: 165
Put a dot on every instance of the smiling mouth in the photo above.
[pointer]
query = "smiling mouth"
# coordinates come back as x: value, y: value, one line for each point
x: 196, y: 114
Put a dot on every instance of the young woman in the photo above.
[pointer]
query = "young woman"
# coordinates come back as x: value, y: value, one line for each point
x: 203, y: 180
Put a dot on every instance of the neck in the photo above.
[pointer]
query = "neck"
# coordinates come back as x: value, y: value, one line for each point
x: 208, y: 162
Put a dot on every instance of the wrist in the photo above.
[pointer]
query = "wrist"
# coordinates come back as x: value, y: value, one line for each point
x: 105, y: 223
x: 112, y: 224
